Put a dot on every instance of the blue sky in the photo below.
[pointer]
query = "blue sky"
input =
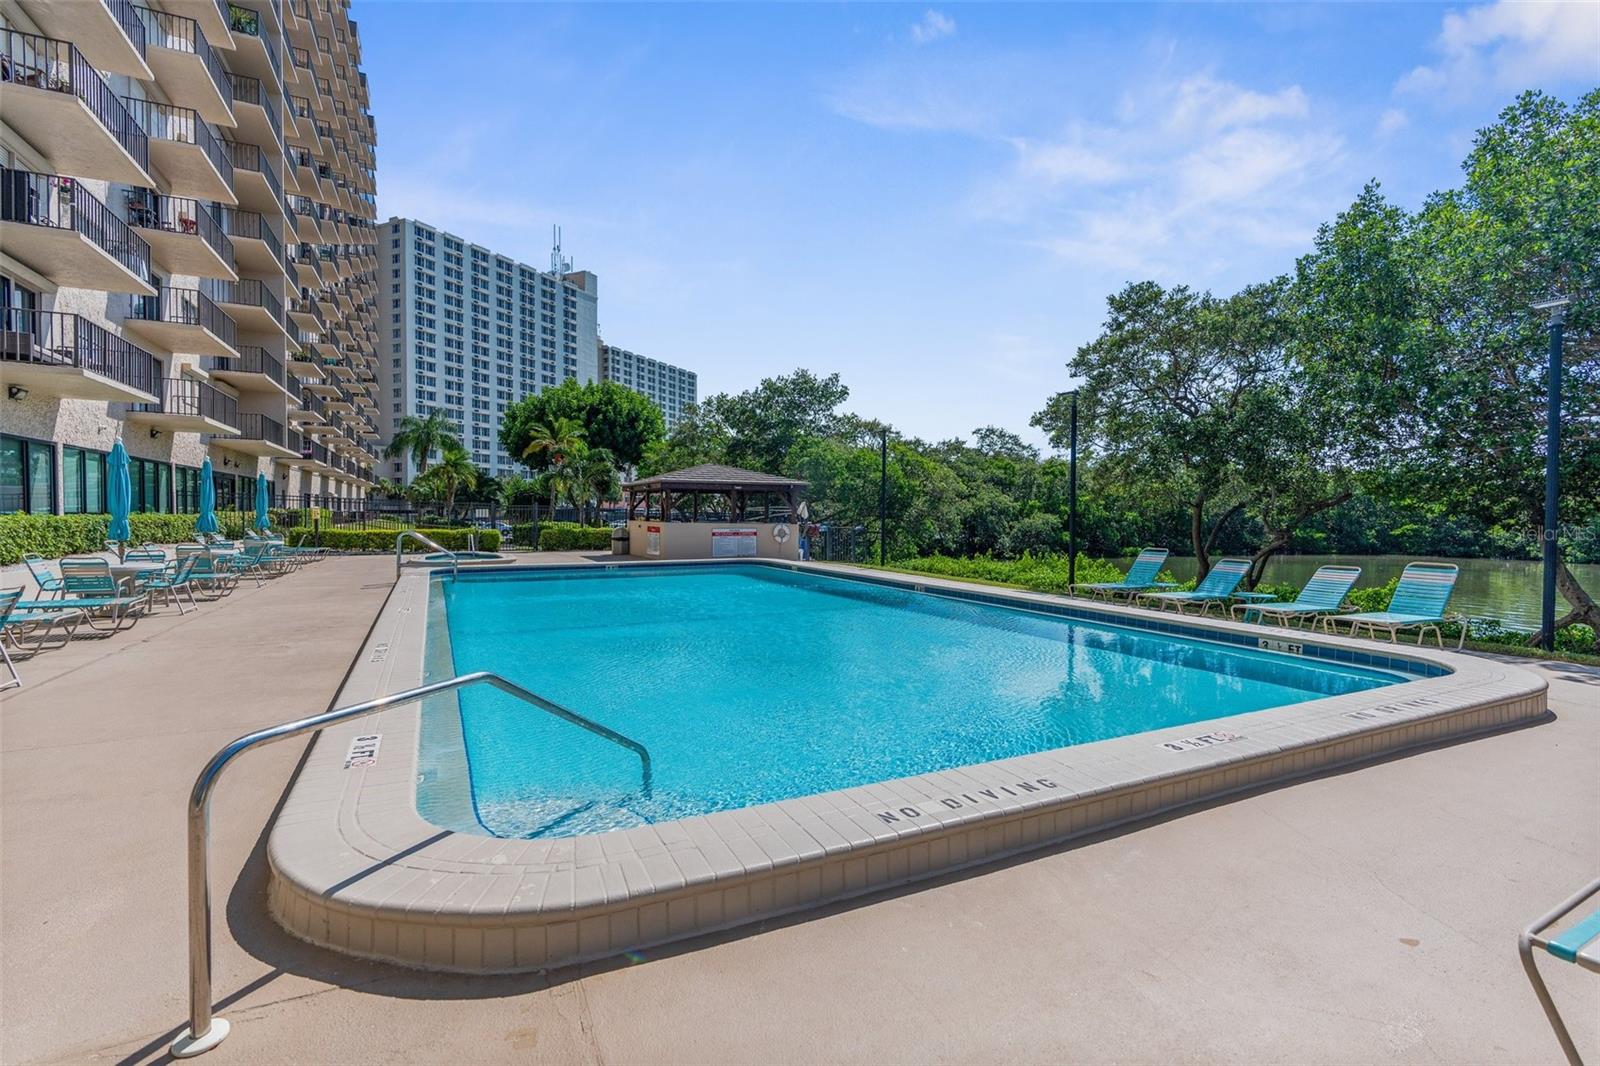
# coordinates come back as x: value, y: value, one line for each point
x: 932, y: 201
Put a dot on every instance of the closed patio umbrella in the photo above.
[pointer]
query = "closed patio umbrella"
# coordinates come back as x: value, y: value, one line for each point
x: 263, y: 501
x: 119, y: 496
x: 207, y: 522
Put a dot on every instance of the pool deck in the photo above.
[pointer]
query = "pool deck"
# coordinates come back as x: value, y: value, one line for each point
x: 1367, y: 914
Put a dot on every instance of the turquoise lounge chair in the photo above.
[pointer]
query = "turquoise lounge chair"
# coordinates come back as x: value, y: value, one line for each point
x: 209, y: 572
x: 16, y: 621
x: 1418, y: 603
x: 1579, y: 943
x: 1323, y: 594
x: 88, y: 585
x: 48, y: 583
x: 1216, y: 589
x: 1141, y: 577
x: 171, y: 583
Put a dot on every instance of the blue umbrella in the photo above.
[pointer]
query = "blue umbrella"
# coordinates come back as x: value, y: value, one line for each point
x: 207, y: 522
x: 119, y: 494
x: 263, y: 501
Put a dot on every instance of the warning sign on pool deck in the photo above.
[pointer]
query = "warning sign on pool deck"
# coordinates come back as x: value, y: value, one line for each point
x: 652, y: 543
x: 363, y: 751
x: 732, y: 543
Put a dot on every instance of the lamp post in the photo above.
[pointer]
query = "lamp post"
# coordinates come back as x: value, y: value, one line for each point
x: 883, y: 495
x: 1072, y: 497
x: 1557, y: 307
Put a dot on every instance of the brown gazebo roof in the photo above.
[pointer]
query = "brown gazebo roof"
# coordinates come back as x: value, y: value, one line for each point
x: 713, y: 477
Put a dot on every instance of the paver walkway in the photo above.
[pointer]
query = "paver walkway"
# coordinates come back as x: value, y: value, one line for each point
x: 1367, y: 915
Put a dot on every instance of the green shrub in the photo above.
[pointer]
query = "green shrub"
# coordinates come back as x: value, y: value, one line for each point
x: 1042, y: 573
x: 525, y: 534
x: 571, y: 537
x: 54, y: 536
x: 382, y: 540
x: 1374, y: 598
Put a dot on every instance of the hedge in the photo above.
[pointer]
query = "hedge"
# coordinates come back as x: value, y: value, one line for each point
x: 524, y: 534
x: 56, y: 535
x: 382, y: 540
x: 570, y: 536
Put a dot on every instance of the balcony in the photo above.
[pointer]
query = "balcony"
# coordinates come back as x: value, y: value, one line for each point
x: 107, y: 32
x: 186, y: 150
x: 212, y: 15
x: 312, y: 415
x: 256, y: 370
x: 65, y: 355
x: 262, y: 435
x: 184, y: 235
x: 188, y: 405
x: 304, y: 362
x: 302, y: 262
x: 256, y: 52
x: 55, y: 99
x: 299, y: 69
x: 255, y: 112
x: 257, y: 247
x: 189, y: 72
x: 182, y: 320
x: 255, y: 181
x: 315, y: 454
x: 54, y: 225
x: 250, y: 304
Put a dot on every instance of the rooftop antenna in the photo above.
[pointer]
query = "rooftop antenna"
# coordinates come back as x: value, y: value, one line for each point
x: 559, y: 264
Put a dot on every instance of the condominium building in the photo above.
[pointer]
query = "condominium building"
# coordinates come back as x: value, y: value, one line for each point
x: 468, y: 331
x: 187, y: 252
x: 671, y: 388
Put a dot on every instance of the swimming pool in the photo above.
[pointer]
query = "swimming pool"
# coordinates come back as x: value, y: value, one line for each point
x: 750, y: 685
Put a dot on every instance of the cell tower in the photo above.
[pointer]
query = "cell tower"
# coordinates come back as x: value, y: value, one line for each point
x: 559, y: 264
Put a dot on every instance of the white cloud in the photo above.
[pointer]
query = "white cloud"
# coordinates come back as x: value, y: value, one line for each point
x: 1204, y: 103
x: 932, y: 26
x: 1511, y: 45
x: 1392, y: 121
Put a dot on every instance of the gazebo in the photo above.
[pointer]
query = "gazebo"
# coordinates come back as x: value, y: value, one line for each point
x: 713, y: 511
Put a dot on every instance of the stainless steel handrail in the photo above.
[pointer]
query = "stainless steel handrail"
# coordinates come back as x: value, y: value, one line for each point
x: 206, y: 1032
x: 455, y: 560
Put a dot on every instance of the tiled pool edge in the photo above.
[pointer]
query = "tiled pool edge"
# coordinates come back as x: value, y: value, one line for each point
x: 354, y: 867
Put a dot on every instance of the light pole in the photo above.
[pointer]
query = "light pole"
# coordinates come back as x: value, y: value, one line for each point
x: 883, y: 496
x: 1557, y: 306
x: 1072, y: 498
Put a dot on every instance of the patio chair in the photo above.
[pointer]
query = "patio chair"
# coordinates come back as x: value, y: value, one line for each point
x: 48, y: 583
x: 1141, y: 577
x: 144, y: 554
x: 1418, y: 603
x: 1323, y: 594
x: 255, y: 560
x: 1579, y: 943
x: 88, y: 585
x: 1215, y: 590
x: 209, y: 572
x: 171, y: 583
x: 15, y: 621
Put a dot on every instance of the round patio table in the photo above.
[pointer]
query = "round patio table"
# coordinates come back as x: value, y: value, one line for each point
x: 127, y: 573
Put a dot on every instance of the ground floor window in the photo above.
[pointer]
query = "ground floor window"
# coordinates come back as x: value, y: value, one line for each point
x: 27, y: 475
x: 152, y: 486
x: 83, y: 481
x: 186, y: 490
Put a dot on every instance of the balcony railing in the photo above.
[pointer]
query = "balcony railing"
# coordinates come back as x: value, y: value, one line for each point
x: 253, y: 359
x: 176, y: 214
x: 50, y: 338
x: 315, y: 452
x: 192, y: 399
x: 250, y: 226
x: 260, y: 427
x: 310, y: 401
x: 300, y: 106
x: 250, y: 157
x: 44, y: 63
x: 248, y: 90
x: 182, y: 125
x: 248, y: 292
x: 59, y: 202
x: 127, y: 16
x: 300, y: 57
x: 182, y: 34
x: 184, y: 307
x: 248, y: 22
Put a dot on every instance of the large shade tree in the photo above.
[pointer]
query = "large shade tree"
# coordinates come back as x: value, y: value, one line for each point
x: 623, y: 422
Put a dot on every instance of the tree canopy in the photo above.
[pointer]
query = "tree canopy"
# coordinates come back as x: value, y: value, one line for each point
x: 623, y: 422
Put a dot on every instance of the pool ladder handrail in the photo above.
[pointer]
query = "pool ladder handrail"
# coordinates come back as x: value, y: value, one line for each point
x: 210, y: 1031
x: 455, y: 560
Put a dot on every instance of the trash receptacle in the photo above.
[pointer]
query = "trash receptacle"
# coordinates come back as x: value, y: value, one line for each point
x: 619, y: 541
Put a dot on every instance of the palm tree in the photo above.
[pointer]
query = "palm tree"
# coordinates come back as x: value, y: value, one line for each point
x: 554, y: 442
x: 421, y: 437
x: 452, y: 473
x: 595, y: 471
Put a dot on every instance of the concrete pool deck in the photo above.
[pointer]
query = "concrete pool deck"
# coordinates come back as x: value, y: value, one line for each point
x: 1357, y: 915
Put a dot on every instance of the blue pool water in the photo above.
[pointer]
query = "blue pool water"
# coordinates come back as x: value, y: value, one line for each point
x: 751, y: 684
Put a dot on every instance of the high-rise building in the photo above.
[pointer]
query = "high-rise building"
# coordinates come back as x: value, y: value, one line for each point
x: 187, y: 252
x: 671, y: 388
x: 468, y: 331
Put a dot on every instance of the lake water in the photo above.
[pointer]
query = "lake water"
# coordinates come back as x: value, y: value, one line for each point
x: 1507, y: 589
